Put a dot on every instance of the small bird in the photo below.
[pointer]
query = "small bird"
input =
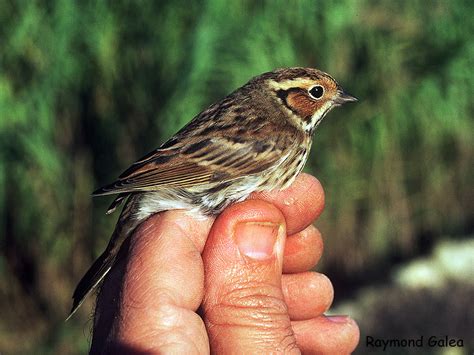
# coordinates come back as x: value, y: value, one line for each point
x: 256, y: 139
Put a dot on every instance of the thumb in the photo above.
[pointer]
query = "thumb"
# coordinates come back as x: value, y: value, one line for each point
x: 243, y: 304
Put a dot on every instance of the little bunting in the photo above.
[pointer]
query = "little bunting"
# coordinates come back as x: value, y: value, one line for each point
x: 256, y: 139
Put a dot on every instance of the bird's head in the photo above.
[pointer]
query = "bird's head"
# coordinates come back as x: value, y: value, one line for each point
x: 306, y: 94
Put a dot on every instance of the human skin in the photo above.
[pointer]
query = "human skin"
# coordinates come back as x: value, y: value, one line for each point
x: 237, y: 284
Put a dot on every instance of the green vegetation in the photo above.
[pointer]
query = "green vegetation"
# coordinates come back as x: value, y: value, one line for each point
x: 88, y: 87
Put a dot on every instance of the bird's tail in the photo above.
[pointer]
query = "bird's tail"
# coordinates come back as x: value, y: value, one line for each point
x: 96, y: 273
x: 91, y: 279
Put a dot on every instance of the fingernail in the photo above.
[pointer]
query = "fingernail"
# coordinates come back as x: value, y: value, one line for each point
x: 257, y: 239
x: 338, y: 319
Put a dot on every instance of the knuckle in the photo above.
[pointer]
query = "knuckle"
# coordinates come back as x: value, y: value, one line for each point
x: 253, y: 304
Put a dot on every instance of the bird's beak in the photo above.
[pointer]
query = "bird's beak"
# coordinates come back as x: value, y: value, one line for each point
x: 343, y: 97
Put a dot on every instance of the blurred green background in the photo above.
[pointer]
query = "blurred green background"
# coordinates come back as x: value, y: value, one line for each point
x: 86, y: 88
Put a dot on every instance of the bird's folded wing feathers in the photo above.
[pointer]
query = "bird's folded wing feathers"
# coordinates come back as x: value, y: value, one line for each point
x: 219, y: 159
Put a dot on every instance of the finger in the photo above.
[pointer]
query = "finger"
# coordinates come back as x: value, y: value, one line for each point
x: 327, y: 335
x: 302, y: 250
x: 301, y: 203
x: 308, y: 294
x: 148, y: 303
x: 243, y: 306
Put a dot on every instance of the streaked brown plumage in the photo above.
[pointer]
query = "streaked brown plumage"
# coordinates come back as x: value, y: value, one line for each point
x: 257, y: 138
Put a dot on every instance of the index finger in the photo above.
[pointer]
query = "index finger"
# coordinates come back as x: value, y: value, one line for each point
x: 301, y: 203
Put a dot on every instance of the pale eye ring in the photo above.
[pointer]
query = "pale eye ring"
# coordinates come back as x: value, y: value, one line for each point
x: 316, y: 92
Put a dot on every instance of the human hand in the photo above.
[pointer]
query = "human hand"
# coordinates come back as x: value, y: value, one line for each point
x: 149, y: 302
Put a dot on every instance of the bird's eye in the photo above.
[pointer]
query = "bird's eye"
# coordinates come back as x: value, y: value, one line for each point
x: 316, y: 91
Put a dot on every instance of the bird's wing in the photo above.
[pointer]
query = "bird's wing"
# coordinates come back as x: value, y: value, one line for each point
x: 200, y: 162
